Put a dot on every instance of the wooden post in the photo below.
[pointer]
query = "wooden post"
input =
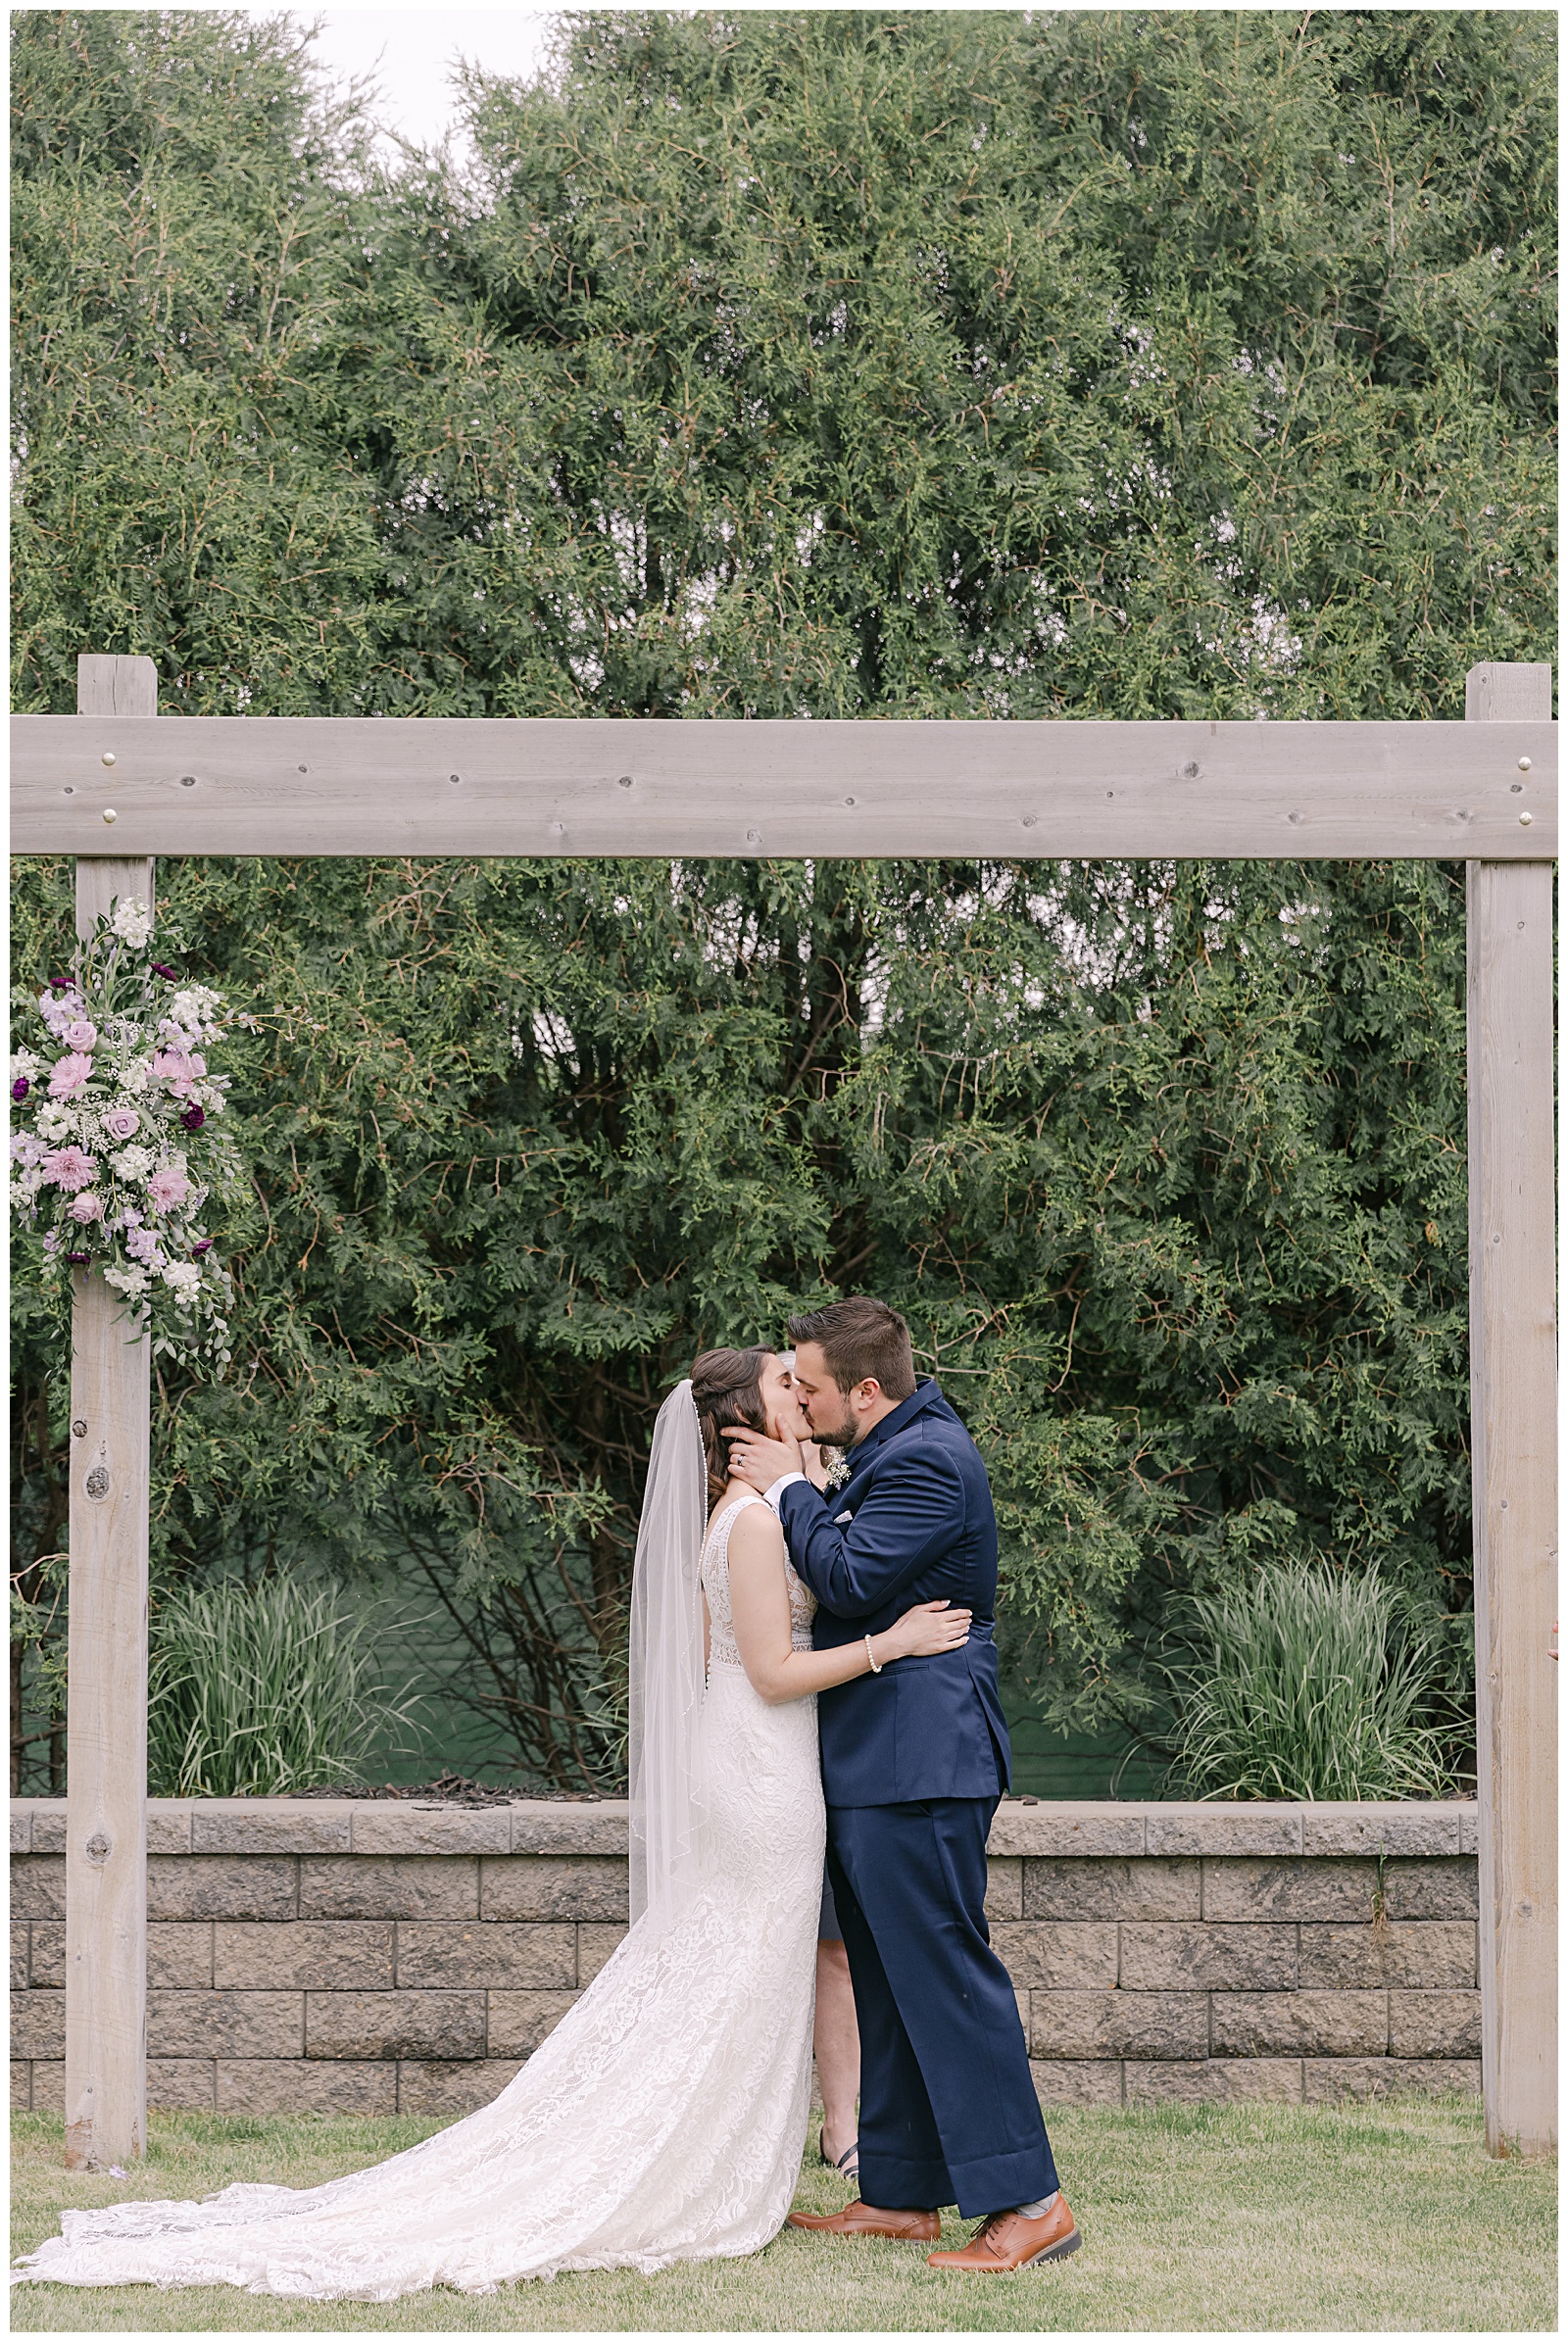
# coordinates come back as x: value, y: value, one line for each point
x: 1513, y: 1450
x: 106, y: 1713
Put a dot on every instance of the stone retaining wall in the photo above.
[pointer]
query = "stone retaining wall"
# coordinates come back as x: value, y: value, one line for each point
x: 353, y: 1957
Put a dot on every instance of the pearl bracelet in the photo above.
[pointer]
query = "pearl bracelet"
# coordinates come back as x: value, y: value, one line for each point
x: 874, y: 1663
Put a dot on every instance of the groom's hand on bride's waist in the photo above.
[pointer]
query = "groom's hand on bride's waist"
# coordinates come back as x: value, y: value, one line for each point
x: 762, y: 1462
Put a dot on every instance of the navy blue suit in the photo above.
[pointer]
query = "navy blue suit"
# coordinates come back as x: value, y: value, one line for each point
x: 913, y: 1762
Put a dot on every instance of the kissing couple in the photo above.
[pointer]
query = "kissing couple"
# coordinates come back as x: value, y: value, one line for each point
x: 793, y: 1632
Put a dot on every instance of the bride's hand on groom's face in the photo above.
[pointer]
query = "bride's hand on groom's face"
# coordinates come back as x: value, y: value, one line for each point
x: 759, y: 1461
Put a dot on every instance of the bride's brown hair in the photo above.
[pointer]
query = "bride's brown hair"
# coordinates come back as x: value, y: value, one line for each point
x: 727, y: 1386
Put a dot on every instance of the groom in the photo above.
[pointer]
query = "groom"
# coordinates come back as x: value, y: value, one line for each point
x: 914, y: 1759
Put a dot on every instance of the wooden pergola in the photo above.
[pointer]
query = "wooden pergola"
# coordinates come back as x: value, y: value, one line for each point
x: 116, y: 787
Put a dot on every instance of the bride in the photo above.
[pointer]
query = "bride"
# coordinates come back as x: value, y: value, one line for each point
x: 663, y: 2119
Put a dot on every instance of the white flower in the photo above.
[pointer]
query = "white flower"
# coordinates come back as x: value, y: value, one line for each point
x: 182, y: 1276
x: 132, y: 1281
x: 133, y: 922
x: 133, y: 1162
x: 137, y: 1075
x: 54, y: 1122
x: 25, y: 1067
x: 193, y: 1010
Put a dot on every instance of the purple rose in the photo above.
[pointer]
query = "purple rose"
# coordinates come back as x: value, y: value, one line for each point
x: 205, y: 1246
x: 193, y: 1118
x: 87, y: 1206
x: 81, y: 1034
x: 20, y: 1088
x: 122, y: 1124
x: 78, y: 1257
x: 158, y: 969
x: 60, y: 984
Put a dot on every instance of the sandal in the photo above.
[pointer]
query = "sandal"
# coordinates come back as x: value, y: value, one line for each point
x: 848, y: 2163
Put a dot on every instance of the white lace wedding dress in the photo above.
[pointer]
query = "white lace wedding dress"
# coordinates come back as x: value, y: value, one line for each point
x: 662, y: 2120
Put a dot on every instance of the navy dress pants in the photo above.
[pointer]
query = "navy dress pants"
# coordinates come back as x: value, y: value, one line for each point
x: 948, y: 2108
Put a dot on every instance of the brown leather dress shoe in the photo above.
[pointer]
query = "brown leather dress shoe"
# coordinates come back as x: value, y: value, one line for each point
x: 864, y: 2220
x: 1008, y: 2241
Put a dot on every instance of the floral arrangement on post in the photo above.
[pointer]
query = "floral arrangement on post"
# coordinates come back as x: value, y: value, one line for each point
x: 117, y: 1153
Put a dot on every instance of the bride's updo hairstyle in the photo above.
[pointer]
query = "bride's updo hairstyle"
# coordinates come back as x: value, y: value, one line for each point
x: 727, y: 1386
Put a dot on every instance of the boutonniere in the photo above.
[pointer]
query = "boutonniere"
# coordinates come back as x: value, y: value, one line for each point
x: 838, y: 1471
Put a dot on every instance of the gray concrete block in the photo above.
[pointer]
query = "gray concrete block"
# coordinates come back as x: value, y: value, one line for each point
x: 543, y: 1827
x: 167, y: 1826
x: 1156, y: 1887
x: 181, y: 2086
x: 1435, y: 2025
x: 443, y: 2087
x: 1118, y: 2025
x: 1076, y: 2081
x: 1057, y: 1955
x: 594, y: 1947
x: 318, y: 1955
x: 1426, y: 1827
x: 21, y: 1826
x: 484, y: 1953
x: 519, y: 2021
x: 1294, y: 1889
x: 189, y: 1886
x: 1060, y: 1827
x: 1469, y: 1827
x: 179, y: 1955
x: 37, y: 2025
x: 49, y: 1954
x: 49, y: 1826
x: 394, y: 2024
x: 1441, y: 1890
x: 225, y: 2025
x: 1224, y: 1830
x: 1338, y: 2081
x: 38, y: 1886
x: 388, y: 1886
x: 1313, y: 2024
x: 20, y: 2086
x: 1422, y: 1953
x: 48, y: 2085
x: 22, y: 1956
x: 301, y: 2087
x: 544, y: 1886
x: 431, y: 1829
x: 1207, y: 1955
x: 48, y: 1958
x: 1005, y: 1888
x: 1425, y: 1954
x: 1226, y: 2082
x: 268, y: 1825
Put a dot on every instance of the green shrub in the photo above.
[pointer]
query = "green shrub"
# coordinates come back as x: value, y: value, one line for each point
x: 1304, y: 1682
x: 261, y: 1691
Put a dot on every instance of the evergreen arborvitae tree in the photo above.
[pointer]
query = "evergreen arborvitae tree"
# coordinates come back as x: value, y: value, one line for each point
x: 924, y: 364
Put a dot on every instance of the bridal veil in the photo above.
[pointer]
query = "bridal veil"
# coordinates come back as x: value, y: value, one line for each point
x: 665, y: 1669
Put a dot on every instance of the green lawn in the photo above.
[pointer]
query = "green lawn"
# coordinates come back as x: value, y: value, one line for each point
x: 1193, y: 2218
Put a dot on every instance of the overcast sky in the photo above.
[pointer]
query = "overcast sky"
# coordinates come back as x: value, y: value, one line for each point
x: 410, y: 51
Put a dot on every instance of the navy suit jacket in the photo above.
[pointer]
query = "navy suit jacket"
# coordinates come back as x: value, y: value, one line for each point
x: 914, y: 1523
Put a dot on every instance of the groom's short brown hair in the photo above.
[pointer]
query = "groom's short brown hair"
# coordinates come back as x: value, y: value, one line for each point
x: 862, y: 1340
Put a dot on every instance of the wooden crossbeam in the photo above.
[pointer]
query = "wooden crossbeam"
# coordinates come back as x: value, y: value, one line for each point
x: 431, y: 785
